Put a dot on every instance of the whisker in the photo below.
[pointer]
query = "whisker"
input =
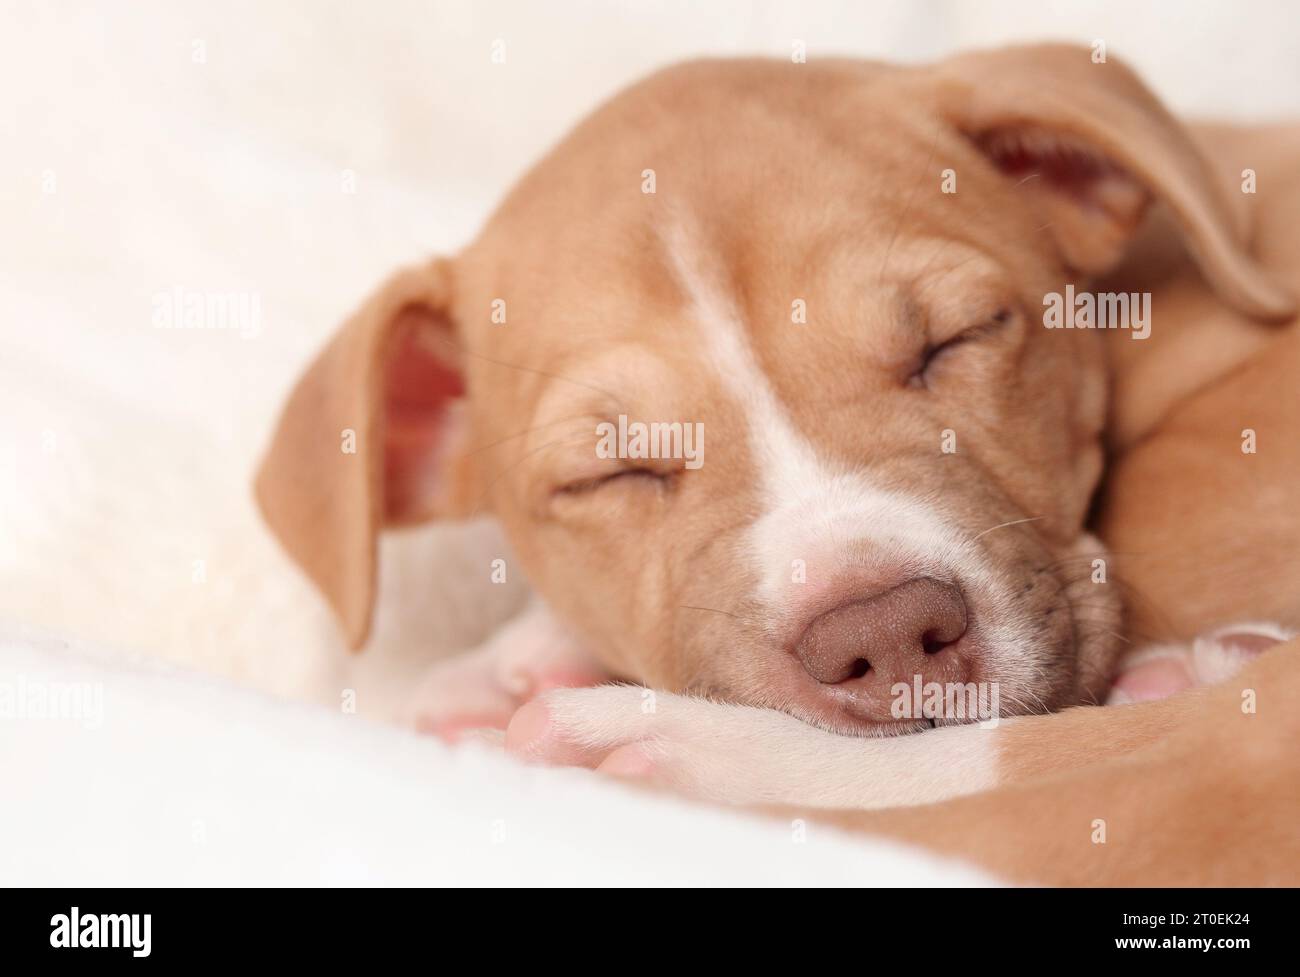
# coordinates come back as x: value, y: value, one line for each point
x: 463, y: 351
x: 711, y: 610
x: 516, y: 463
x: 947, y: 271
x: 520, y: 434
x: 1003, y: 525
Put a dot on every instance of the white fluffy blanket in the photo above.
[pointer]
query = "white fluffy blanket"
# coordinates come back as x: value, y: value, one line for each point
x: 132, y: 774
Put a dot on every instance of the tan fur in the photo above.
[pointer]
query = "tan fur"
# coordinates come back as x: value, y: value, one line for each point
x: 327, y: 504
x: 1202, y: 533
x: 1192, y: 791
x: 599, y: 282
x: 820, y: 182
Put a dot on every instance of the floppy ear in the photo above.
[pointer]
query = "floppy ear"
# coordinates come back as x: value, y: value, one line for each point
x: 372, y: 435
x: 1092, y: 146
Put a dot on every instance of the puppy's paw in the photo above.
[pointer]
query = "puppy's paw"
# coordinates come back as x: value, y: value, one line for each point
x: 721, y: 752
x: 1162, y: 670
x: 481, y: 689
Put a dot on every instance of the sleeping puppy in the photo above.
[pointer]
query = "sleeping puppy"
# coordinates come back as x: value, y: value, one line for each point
x: 821, y: 288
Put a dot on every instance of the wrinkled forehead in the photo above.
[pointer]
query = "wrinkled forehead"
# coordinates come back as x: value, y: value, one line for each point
x: 689, y: 323
x: 651, y: 230
x: 659, y: 256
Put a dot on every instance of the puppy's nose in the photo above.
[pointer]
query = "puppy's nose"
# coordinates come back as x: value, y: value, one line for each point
x: 889, y: 638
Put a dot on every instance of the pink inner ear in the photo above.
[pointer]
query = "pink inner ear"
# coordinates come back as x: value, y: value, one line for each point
x: 420, y: 391
x: 1070, y: 168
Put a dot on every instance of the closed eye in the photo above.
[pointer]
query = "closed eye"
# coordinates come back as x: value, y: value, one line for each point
x: 627, y: 476
x: 932, y: 355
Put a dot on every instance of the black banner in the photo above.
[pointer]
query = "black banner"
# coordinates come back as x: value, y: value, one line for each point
x: 133, y: 928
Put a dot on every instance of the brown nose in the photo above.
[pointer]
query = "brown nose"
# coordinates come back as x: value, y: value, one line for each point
x: 889, y: 638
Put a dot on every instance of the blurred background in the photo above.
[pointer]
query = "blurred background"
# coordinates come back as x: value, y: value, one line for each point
x: 285, y: 156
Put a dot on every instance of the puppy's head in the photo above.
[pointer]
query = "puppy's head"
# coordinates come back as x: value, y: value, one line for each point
x: 752, y: 369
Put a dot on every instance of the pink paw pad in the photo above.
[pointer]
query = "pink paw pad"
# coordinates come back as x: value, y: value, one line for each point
x: 1154, y: 679
x: 533, y: 737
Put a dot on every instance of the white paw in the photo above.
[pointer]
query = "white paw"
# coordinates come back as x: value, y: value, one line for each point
x: 744, y: 755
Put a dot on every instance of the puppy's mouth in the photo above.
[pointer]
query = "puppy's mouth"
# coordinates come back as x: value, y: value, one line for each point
x: 923, y: 655
x: 929, y: 644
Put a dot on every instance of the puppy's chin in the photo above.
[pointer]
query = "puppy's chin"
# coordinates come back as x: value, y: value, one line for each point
x: 810, y: 705
x: 865, y: 728
x: 981, y: 700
